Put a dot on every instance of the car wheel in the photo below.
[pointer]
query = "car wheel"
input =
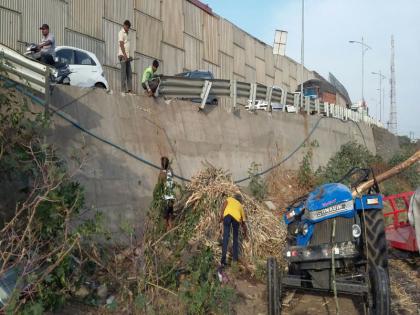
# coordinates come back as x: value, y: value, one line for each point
x: 100, y: 85
x: 214, y: 102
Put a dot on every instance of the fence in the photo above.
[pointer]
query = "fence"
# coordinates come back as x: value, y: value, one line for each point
x: 184, y: 88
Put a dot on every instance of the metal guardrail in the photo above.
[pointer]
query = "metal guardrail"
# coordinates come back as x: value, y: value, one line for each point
x: 185, y: 88
x: 22, y: 70
x: 35, y: 76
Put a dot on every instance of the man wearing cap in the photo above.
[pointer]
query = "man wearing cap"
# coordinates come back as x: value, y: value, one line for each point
x: 47, y: 45
x: 232, y: 214
x: 124, y: 57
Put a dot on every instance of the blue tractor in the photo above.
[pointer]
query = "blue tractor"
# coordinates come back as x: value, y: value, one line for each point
x: 335, y: 243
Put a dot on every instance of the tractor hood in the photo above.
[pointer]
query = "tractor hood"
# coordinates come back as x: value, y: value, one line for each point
x: 329, y: 200
x: 327, y: 195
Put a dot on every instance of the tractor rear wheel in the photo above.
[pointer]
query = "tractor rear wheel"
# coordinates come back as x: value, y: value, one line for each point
x: 380, y: 291
x: 273, y: 287
x: 377, y: 253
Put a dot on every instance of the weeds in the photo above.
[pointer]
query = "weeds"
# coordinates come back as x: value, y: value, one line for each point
x: 257, y: 186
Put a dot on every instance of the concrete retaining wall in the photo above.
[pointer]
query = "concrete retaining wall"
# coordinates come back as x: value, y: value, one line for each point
x: 121, y: 186
x: 386, y: 143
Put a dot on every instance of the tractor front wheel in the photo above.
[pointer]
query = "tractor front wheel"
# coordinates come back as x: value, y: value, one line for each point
x: 273, y: 287
x: 380, y: 291
x: 375, y: 236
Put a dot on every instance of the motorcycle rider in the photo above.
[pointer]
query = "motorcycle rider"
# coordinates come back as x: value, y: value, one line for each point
x: 47, y: 45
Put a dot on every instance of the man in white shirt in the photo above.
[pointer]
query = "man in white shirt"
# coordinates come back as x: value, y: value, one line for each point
x: 47, y: 45
x: 125, y: 58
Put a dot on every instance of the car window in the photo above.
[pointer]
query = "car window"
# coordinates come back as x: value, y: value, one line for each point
x: 84, y: 59
x: 65, y: 56
x: 201, y: 75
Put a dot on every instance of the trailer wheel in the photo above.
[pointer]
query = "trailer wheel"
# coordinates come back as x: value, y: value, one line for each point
x: 375, y: 237
x: 273, y: 287
x: 380, y: 291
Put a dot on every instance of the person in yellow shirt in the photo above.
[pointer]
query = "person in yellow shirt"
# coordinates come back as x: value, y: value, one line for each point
x: 232, y: 214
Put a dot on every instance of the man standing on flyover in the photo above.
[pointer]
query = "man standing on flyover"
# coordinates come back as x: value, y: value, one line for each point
x: 124, y: 58
x: 149, y: 82
x: 232, y: 214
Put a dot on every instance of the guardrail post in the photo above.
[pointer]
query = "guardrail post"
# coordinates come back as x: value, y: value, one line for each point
x: 205, y: 93
x: 307, y: 104
x: 47, y: 93
x: 296, y: 102
x: 283, y: 99
x: 253, y: 95
x: 327, y: 109
x: 268, y: 97
x: 233, y: 92
x: 317, y: 106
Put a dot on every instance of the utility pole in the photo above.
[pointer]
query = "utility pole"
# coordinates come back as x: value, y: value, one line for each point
x: 365, y: 48
x: 381, y: 77
x: 393, y: 110
x: 302, y: 54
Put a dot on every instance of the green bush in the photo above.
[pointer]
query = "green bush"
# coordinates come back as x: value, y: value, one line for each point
x: 256, y: 185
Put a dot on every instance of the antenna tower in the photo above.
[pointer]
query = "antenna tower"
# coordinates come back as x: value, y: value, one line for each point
x: 393, y: 111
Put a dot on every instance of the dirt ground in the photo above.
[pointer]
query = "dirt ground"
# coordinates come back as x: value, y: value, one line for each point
x: 404, y: 273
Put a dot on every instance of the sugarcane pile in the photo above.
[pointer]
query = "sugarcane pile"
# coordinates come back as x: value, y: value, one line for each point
x: 206, y: 193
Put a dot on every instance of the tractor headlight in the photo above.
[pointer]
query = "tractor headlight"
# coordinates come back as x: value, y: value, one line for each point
x: 357, y: 231
x: 305, y: 228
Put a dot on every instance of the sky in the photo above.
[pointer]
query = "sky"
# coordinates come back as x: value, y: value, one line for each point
x: 329, y: 26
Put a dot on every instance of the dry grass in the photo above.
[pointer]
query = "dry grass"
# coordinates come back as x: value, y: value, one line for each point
x: 267, y: 233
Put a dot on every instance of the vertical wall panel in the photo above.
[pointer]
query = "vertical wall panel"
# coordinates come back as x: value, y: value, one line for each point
x: 12, y: 4
x: 226, y: 36
x: 10, y: 20
x: 250, y: 51
x: 85, y: 42
x: 211, y: 67
x: 211, y: 39
x: 193, y: 53
x: 269, y: 61
x: 239, y: 60
x: 37, y: 12
x: 173, y: 60
x: 278, y: 77
x: 111, y: 30
x: 86, y: 16
x: 259, y: 49
x: 269, y: 81
x: 226, y: 66
x: 173, y: 22
x: 149, y: 35
x: 250, y: 74
x: 150, y: 7
x: 193, y: 20
x: 293, y: 84
x: 238, y: 37
x: 260, y: 71
x: 292, y: 68
x: 119, y: 11
x: 113, y: 76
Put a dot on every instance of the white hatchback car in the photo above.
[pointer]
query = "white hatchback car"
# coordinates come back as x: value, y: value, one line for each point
x: 86, y: 71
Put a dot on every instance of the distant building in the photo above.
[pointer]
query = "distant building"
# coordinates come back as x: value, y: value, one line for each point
x: 320, y: 88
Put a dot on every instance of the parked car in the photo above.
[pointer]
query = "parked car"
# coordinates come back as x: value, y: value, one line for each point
x: 200, y: 74
x: 86, y: 70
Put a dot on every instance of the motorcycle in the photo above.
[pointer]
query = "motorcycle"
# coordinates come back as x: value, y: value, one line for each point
x: 60, y: 72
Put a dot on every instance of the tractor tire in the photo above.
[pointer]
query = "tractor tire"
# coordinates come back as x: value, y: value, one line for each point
x: 273, y: 287
x: 380, y: 291
x: 377, y: 252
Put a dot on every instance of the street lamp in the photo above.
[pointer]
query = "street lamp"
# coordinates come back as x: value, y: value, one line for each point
x: 302, y: 53
x: 381, y: 77
x: 364, y: 49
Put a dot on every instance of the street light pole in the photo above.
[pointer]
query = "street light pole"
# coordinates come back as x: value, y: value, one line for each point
x: 365, y: 48
x: 381, y: 77
x: 302, y: 54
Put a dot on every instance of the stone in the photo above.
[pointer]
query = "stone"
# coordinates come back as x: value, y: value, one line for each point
x: 270, y: 205
x: 82, y: 292
x: 102, y: 291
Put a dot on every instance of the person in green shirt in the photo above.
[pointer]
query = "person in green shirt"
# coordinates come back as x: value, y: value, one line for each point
x: 149, y: 82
